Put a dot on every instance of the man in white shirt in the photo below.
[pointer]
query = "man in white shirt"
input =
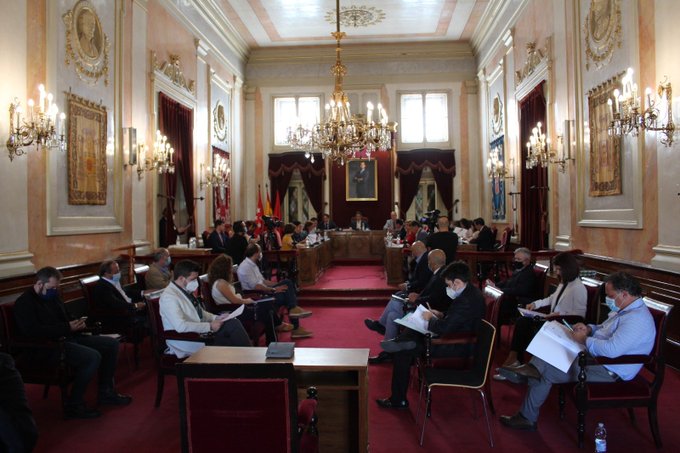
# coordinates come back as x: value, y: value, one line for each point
x: 283, y: 292
x: 182, y: 312
x: 391, y: 223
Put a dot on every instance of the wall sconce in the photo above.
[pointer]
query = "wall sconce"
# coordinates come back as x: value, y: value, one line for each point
x: 39, y: 126
x: 540, y: 154
x: 215, y: 176
x: 495, y: 167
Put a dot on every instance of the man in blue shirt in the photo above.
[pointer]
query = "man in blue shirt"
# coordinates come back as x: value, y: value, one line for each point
x: 629, y: 329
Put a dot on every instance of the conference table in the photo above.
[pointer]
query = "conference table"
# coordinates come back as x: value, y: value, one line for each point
x: 341, y: 377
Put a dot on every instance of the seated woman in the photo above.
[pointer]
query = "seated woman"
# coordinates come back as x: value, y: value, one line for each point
x: 288, y: 242
x: 221, y: 277
x: 570, y: 298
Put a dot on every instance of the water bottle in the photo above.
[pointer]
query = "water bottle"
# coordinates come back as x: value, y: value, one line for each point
x: 178, y: 242
x: 600, y: 438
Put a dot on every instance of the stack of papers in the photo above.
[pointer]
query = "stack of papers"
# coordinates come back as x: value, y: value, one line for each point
x: 415, y: 321
x: 555, y: 345
x: 229, y: 315
x: 530, y: 313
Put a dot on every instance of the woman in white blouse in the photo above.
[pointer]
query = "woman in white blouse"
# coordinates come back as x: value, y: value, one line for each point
x: 221, y: 277
x: 570, y: 298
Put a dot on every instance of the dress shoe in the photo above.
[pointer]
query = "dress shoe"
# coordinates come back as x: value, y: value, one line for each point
x: 284, y: 327
x: 299, y: 312
x: 518, y: 421
x: 375, y: 326
x: 380, y: 358
x: 499, y: 377
x: 79, y: 411
x: 387, y: 403
x: 300, y: 333
x: 114, y: 399
x: 520, y: 374
x: 395, y: 345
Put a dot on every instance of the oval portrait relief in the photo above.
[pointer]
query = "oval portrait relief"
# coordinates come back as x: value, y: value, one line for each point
x: 497, y: 114
x: 89, y: 36
x: 220, y: 121
x: 600, y: 17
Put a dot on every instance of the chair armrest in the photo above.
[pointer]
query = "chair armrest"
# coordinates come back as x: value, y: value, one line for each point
x: 188, y: 336
x: 455, y: 338
x: 621, y: 360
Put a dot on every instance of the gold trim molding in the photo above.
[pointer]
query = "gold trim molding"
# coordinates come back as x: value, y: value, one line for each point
x: 534, y: 58
x: 86, y: 43
x: 173, y: 71
x: 602, y: 30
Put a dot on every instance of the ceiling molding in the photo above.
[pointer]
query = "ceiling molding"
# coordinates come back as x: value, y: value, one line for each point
x: 362, y: 82
x: 487, y: 36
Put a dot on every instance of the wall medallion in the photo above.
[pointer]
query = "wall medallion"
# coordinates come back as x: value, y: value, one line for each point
x: 87, y: 46
x: 497, y: 114
x: 220, y: 125
x: 602, y: 30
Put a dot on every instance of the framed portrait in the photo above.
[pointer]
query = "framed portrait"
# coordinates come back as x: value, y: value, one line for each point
x: 361, y: 180
x: 497, y: 183
x: 86, y: 43
x: 87, y: 166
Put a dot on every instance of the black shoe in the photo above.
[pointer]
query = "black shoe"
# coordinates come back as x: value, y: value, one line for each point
x: 375, y: 326
x: 387, y: 403
x: 79, y: 411
x: 394, y: 345
x: 518, y: 421
x: 114, y: 399
x: 380, y: 358
x: 520, y: 374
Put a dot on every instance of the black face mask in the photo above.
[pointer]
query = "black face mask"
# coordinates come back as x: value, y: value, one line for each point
x: 517, y: 265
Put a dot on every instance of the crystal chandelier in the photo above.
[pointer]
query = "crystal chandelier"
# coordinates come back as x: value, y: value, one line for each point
x: 162, y: 155
x: 495, y: 168
x: 342, y: 135
x: 39, y: 126
x: 217, y: 175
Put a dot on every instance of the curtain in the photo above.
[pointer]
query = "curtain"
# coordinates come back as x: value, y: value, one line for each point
x: 534, y: 187
x: 177, y: 123
x: 281, y: 168
x: 410, y: 165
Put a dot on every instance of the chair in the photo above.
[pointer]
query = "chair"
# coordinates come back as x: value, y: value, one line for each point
x: 280, y: 264
x: 140, y: 276
x: 475, y: 378
x: 541, y: 272
x: 641, y: 391
x: 165, y: 361
x: 504, y: 244
x: 246, y: 407
x: 595, y: 290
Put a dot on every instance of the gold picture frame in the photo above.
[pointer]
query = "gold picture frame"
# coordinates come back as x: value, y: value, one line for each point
x: 86, y: 43
x: 87, y: 167
x: 361, y: 180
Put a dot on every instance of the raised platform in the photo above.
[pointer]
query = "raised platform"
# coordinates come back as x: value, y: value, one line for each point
x: 348, y: 285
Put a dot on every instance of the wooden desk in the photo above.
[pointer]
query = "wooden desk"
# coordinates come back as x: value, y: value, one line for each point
x: 357, y: 244
x: 312, y: 261
x: 184, y: 250
x: 341, y: 376
x: 394, y: 265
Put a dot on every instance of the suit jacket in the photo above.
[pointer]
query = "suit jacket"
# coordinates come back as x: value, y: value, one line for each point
x: 434, y: 293
x: 358, y: 226
x: 39, y: 318
x: 445, y: 241
x: 327, y: 226
x: 421, y: 275
x: 178, y: 313
x: 521, y: 285
x: 157, y: 278
x: 217, y: 242
x: 421, y: 236
x: 572, y: 301
x: 401, y: 233
x: 485, y: 240
x: 120, y: 313
x: 236, y: 248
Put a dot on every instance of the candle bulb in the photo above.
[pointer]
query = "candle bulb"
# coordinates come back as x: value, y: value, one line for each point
x: 62, y: 120
x: 611, y: 108
x: 648, y: 97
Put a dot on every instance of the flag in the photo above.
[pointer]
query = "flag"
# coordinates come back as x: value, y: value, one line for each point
x: 268, y: 206
x: 258, y: 215
x: 277, y: 206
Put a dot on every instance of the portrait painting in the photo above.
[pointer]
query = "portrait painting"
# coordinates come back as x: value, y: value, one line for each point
x: 605, y: 150
x: 87, y: 167
x: 361, y: 180
x: 86, y: 43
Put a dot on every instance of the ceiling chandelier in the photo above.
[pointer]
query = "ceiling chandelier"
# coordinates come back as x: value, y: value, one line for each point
x: 341, y: 135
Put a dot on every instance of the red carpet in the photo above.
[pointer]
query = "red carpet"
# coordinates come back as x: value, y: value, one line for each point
x: 141, y: 428
x: 352, y: 277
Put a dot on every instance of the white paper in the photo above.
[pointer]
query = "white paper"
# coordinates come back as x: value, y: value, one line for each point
x: 415, y: 321
x: 555, y: 345
x: 530, y: 313
x: 230, y: 315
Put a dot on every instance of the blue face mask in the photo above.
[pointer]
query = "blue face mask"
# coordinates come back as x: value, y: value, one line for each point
x: 453, y: 293
x: 611, y: 303
x: 116, y: 277
x: 50, y: 294
x: 168, y: 261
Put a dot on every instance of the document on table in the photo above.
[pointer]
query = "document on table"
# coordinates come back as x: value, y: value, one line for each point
x: 554, y: 344
x: 415, y: 321
x: 530, y: 313
x: 229, y: 315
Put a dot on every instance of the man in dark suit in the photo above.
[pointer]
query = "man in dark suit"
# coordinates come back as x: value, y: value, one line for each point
x: 327, y: 223
x: 421, y: 271
x: 362, y: 180
x: 218, y: 239
x: 125, y: 309
x: 358, y: 222
x: 417, y: 231
x: 401, y: 230
x: 444, y: 239
x: 464, y: 314
x: 485, y: 239
x: 522, y: 283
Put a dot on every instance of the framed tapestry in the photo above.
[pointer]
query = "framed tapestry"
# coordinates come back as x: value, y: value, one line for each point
x: 605, y: 150
x: 87, y: 138
x: 498, y: 183
x: 361, y: 180
x: 221, y: 193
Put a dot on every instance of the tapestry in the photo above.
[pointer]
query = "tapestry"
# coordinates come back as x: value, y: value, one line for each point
x: 498, y: 182
x: 221, y: 192
x: 87, y: 169
x: 605, y: 150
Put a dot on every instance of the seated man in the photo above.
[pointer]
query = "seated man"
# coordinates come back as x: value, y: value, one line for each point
x: 400, y: 231
x: 434, y: 294
x: 391, y: 223
x: 629, y: 329
x: 521, y: 285
x: 159, y: 274
x: 18, y: 431
x: 218, y: 239
x: 464, y: 315
x: 358, y: 223
x: 39, y: 313
x: 327, y: 223
x: 110, y: 296
x: 483, y: 236
x: 181, y: 311
x: 444, y: 239
x: 284, y: 291
x: 416, y: 232
x: 421, y: 272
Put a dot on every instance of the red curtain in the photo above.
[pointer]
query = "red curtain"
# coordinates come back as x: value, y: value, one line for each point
x: 410, y: 166
x: 534, y: 188
x: 177, y: 123
x: 281, y: 168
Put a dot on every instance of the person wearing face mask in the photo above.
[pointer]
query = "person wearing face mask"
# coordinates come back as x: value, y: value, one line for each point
x: 465, y: 312
x: 182, y: 311
x: 570, y: 298
x: 628, y: 330
x: 124, y: 309
x: 521, y: 285
x: 159, y: 274
x: 39, y: 313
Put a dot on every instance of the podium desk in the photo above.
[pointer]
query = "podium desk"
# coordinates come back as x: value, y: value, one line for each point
x: 340, y: 375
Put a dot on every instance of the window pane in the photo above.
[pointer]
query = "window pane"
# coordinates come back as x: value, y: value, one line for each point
x: 284, y: 117
x: 411, y: 121
x: 436, y: 118
x: 308, y: 111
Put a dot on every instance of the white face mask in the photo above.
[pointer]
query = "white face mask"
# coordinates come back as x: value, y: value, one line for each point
x: 192, y: 286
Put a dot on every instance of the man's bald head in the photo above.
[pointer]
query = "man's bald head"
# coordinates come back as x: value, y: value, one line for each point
x: 443, y: 223
x: 418, y: 248
x: 436, y: 259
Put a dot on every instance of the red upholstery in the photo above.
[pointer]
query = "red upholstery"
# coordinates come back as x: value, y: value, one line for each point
x: 140, y: 276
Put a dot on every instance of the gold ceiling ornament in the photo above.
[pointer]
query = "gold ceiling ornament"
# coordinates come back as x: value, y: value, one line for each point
x: 341, y: 135
x: 173, y: 70
x: 86, y: 43
x: 357, y: 16
x: 602, y: 30
x: 534, y: 58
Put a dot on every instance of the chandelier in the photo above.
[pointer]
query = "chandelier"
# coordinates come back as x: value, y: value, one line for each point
x: 217, y: 175
x: 626, y: 115
x: 540, y: 154
x: 495, y: 168
x: 38, y: 126
x: 341, y: 135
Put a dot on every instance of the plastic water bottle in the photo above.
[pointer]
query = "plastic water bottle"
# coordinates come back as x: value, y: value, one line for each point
x: 178, y: 242
x: 600, y: 438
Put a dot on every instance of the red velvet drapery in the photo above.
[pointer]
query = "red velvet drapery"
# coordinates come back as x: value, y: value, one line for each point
x: 177, y: 123
x: 281, y: 168
x: 534, y: 188
x: 410, y: 166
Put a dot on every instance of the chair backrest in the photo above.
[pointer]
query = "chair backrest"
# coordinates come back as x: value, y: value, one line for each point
x: 140, y: 276
x: 156, y: 324
x: 594, y: 290
x: 206, y: 294
x: 7, y: 326
x: 486, y: 336
x: 249, y: 407
x: 492, y: 297
x: 660, y: 312
x: 540, y: 272
x: 504, y: 245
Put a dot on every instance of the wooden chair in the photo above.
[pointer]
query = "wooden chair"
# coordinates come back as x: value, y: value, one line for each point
x: 140, y: 276
x: 641, y: 391
x: 281, y: 264
x: 475, y: 378
x: 165, y: 361
x: 247, y: 407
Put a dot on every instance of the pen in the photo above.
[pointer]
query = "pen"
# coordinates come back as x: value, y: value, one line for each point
x: 428, y: 306
x: 567, y: 324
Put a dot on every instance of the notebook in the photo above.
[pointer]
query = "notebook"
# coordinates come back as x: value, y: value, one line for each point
x: 280, y: 350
